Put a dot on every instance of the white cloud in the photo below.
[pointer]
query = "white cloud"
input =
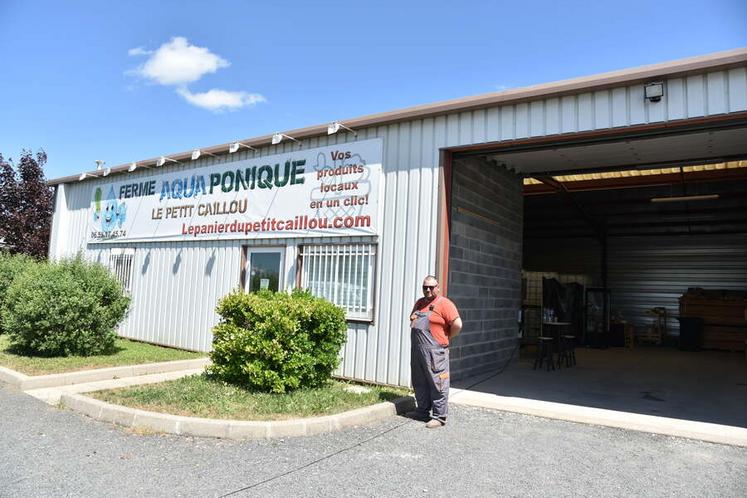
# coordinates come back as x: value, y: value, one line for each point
x: 178, y: 63
x: 138, y: 51
x: 217, y: 100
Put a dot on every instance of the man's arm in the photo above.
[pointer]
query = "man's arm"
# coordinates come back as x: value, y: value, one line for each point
x: 455, y: 328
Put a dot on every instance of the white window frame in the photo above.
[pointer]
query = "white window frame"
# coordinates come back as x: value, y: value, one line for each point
x: 265, y: 249
x: 126, y: 257
x: 331, y: 288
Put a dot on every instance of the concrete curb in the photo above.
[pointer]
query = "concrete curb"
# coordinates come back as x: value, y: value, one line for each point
x: 51, y: 395
x: 702, y: 431
x: 232, y: 429
x: 26, y: 382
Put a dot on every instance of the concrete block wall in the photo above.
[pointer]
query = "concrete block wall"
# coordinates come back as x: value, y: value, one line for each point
x: 485, y: 264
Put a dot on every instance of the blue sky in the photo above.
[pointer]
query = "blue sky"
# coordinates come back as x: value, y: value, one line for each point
x: 126, y: 81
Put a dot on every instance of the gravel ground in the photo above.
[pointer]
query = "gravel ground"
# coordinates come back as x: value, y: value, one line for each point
x: 48, y: 452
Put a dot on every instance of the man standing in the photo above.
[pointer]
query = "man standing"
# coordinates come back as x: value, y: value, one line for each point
x: 433, y: 321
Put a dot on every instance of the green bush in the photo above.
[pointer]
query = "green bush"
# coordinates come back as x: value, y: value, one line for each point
x: 277, y: 342
x: 65, y: 308
x: 10, y: 267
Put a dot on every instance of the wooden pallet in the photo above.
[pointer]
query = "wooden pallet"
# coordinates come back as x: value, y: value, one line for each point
x: 648, y: 336
x: 724, y: 315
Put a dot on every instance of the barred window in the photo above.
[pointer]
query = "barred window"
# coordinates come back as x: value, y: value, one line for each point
x: 342, y: 274
x: 120, y: 264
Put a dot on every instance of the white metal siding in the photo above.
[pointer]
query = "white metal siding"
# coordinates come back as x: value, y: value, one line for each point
x: 177, y: 308
x: 177, y: 284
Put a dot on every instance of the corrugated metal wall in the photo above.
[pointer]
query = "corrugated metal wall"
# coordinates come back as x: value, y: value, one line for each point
x: 176, y: 285
x: 644, y: 272
x: 379, y: 352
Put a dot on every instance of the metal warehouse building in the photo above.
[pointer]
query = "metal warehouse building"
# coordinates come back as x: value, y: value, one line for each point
x: 489, y: 193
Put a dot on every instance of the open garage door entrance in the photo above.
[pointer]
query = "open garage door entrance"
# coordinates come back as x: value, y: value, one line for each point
x: 637, y: 246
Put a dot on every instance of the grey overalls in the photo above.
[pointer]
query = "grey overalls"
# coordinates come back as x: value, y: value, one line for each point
x: 429, y: 362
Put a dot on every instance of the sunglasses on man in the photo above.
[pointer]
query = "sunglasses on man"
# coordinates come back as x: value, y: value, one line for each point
x: 429, y: 287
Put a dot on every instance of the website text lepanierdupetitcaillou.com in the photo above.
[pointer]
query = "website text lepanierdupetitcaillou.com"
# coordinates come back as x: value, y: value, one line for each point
x: 275, y: 225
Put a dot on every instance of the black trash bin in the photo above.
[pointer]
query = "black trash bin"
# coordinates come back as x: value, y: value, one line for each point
x: 691, y: 328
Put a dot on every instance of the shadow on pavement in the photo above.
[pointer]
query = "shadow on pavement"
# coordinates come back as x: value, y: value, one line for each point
x: 704, y: 386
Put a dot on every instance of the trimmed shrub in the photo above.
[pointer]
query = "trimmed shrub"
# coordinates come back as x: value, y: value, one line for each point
x: 277, y: 342
x: 65, y: 308
x: 10, y: 267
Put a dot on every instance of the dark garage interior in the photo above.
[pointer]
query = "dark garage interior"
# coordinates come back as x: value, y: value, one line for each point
x: 644, y: 265
x: 666, y: 244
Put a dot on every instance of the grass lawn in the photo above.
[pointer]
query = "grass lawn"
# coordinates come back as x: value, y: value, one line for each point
x: 126, y: 353
x: 201, y: 396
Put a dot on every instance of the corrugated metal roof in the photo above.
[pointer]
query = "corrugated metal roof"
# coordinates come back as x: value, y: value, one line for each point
x: 641, y: 172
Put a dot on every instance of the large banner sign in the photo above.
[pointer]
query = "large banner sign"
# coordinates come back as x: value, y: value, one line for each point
x: 328, y: 191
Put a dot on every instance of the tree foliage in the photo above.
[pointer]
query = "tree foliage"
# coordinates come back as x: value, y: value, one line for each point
x: 25, y: 205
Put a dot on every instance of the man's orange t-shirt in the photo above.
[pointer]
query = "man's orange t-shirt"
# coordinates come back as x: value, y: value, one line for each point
x: 444, y: 314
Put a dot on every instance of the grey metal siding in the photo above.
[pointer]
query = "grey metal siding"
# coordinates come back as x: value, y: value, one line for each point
x: 644, y: 272
x: 407, y: 243
x: 656, y: 271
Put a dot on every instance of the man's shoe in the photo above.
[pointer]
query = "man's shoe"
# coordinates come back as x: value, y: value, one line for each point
x: 416, y: 415
x: 435, y: 424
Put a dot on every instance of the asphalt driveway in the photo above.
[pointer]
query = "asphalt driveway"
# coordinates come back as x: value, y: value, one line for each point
x: 45, y: 451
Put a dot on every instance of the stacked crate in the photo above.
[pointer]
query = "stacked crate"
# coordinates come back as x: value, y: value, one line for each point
x: 724, y: 314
